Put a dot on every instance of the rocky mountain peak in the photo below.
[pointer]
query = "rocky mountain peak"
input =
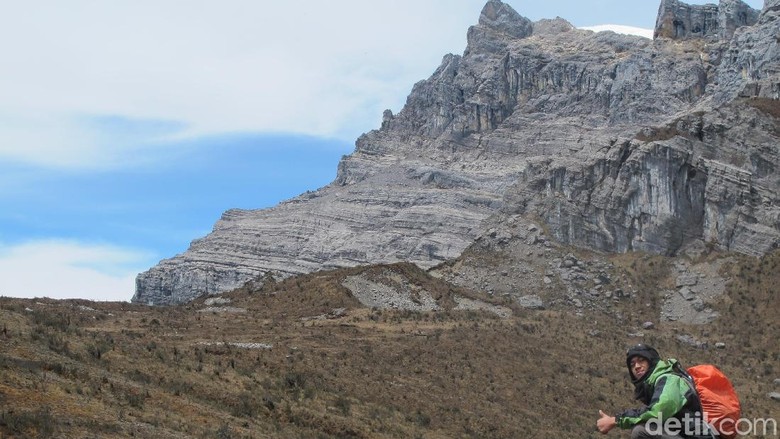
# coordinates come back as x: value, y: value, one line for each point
x: 614, y: 142
x: 498, y: 24
x: 500, y: 17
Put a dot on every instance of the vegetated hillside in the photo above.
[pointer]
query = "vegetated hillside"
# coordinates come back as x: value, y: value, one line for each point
x: 303, y: 358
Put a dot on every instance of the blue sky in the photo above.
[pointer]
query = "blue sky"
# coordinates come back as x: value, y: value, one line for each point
x: 128, y: 127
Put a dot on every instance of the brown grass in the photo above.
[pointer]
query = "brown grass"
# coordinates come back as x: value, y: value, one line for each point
x: 123, y: 370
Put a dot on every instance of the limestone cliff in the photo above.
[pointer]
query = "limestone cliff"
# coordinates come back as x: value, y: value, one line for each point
x: 616, y: 142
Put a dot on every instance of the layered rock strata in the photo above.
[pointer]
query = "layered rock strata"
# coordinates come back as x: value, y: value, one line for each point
x: 615, y: 142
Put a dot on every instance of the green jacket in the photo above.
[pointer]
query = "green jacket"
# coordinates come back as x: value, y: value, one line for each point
x: 668, y: 396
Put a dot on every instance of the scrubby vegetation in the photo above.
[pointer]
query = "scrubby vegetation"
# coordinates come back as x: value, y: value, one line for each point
x: 288, y: 367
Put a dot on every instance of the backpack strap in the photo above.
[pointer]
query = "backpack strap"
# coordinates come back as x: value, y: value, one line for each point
x: 678, y: 370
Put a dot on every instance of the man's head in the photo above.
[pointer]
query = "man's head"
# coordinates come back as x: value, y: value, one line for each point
x: 641, y: 360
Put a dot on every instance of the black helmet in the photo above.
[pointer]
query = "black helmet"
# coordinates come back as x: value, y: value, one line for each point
x: 644, y: 351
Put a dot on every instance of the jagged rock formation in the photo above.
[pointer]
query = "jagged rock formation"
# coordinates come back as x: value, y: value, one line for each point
x: 615, y: 142
x: 680, y: 20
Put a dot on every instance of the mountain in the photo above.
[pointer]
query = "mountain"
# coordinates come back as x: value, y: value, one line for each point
x: 607, y: 142
x: 477, y: 268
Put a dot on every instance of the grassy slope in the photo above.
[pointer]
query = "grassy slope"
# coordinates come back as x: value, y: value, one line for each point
x: 81, y: 369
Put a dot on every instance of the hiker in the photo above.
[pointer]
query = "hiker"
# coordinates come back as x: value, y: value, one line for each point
x: 672, y: 408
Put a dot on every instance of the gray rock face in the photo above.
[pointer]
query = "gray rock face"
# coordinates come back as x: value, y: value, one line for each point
x: 531, y: 302
x: 678, y: 20
x: 616, y: 142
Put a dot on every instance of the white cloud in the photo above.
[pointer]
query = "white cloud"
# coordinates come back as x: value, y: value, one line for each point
x: 620, y: 29
x: 310, y: 67
x: 62, y: 269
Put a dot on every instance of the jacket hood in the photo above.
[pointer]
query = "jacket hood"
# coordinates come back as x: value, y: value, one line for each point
x: 648, y: 353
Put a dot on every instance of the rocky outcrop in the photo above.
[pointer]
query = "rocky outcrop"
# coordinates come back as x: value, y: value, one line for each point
x: 616, y: 142
x: 678, y: 20
x: 664, y: 187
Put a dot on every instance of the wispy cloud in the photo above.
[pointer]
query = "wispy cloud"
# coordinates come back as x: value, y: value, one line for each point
x: 315, y: 68
x: 62, y: 269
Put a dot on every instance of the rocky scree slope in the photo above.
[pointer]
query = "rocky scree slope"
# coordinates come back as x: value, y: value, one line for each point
x: 613, y: 142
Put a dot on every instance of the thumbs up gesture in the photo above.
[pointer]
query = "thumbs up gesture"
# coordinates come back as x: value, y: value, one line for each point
x: 605, y: 422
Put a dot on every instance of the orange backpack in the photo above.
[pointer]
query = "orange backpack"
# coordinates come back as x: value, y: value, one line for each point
x: 719, y: 401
